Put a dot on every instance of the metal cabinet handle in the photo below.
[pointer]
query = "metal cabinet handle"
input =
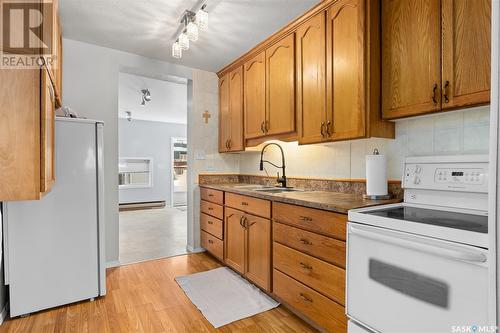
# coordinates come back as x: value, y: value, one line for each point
x: 328, y: 133
x: 434, y: 93
x: 305, y: 298
x: 322, y: 129
x: 210, y: 241
x: 306, y: 266
x: 210, y: 222
x: 243, y: 203
x: 229, y: 144
x: 210, y: 208
x: 305, y: 241
x: 446, y: 87
x: 266, y: 126
x: 263, y: 130
x: 210, y: 195
x: 306, y: 218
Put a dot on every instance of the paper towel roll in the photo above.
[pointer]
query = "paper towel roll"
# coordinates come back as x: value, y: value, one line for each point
x: 376, y: 174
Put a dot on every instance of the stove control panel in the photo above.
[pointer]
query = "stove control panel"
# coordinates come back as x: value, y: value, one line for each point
x: 457, y: 176
x: 447, y: 175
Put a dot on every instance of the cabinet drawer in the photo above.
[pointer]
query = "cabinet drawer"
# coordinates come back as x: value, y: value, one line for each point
x: 212, y: 209
x: 325, y: 312
x: 319, y: 246
x: 212, y: 244
x: 214, y: 196
x: 250, y: 205
x: 316, y: 220
x: 317, y: 274
x: 211, y: 225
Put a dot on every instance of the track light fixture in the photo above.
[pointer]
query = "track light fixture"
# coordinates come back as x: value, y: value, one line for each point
x: 192, y: 24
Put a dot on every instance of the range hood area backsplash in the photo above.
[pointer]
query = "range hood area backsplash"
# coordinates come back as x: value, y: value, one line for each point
x: 452, y: 133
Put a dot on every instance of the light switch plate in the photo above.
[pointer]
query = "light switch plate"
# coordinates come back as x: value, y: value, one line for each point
x: 199, y: 155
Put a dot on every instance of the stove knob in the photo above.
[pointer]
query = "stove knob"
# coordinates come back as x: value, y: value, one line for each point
x: 418, y: 169
x: 416, y: 180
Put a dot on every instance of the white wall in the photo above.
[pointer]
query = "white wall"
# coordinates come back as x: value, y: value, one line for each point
x: 168, y: 99
x: 457, y: 132
x: 149, y: 139
x: 90, y: 87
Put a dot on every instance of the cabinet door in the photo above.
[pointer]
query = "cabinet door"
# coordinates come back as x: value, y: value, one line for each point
x: 236, y: 109
x: 224, y: 115
x: 234, y: 239
x: 411, y: 53
x: 311, y: 79
x: 346, y: 115
x: 258, y: 263
x: 47, y: 118
x: 466, y: 52
x: 255, y: 96
x: 280, y: 87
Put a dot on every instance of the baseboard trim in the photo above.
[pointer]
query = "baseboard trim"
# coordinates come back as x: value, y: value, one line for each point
x: 113, y: 263
x: 4, y: 313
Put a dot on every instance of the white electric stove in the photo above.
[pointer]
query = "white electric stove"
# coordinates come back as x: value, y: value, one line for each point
x: 421, y: 265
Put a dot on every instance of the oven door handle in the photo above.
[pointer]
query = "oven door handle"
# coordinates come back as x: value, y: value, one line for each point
x: 411, y: 242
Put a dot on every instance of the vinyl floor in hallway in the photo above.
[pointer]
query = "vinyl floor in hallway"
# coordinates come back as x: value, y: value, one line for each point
x: 144, y: 297
x: 152, y: 234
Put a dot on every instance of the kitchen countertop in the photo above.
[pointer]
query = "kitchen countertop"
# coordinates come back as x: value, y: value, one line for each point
x: 326, y: 200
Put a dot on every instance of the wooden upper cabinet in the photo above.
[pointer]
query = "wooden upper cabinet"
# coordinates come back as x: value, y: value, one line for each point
x: 411, y: 57
x: 466, y: 56
x: 224, y: 114
x: 346, y: 116
x: 255, y: 96
x: 280, y: 87
x: 236, y: 109
x: 311, y: 79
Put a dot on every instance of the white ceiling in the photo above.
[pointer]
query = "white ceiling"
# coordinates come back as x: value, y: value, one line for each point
x: 168, y: 99
x: 148, y: 27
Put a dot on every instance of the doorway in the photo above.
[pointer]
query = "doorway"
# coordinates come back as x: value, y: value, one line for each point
x: 152, y: 131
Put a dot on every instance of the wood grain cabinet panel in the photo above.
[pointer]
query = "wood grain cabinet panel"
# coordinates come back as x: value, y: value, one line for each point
x: 317, y: 274
x: 255, y: 96
x: 258, y: 259
x: 213, y: 245
x: 319, y: 246
x: 234, y: 239
x: 212, y: 209
x: 47, y: 136
x: 311, y: 79
x: 327, y: 313
x: 346, y: 90
x: 250, y: 205
x: 211, y: 225
x: 466, y: 43
x: 236, y: 109
x: 411, y: 57
x: 280, y: 87
x: 224, y: 114
x: 211, y: 195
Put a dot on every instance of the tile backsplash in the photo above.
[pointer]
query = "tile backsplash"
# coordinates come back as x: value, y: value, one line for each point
x: 451, y: 133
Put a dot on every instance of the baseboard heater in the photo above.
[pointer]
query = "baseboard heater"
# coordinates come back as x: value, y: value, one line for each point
x: 142, y: 205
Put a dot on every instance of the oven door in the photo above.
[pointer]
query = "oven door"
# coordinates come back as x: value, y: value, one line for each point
x: 399, y: 282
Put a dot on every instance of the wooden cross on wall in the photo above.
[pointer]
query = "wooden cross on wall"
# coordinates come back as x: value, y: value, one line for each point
x: 206, y: 115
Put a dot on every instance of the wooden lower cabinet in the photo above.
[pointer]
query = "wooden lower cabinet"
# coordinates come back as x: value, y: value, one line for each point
x: 323, y: 311
x: 211, y: 223
x: 248, y: 246
x: 213, y: 245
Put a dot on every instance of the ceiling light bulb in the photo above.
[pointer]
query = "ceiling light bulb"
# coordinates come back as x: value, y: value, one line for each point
x: 202, y: 20
x: 176, y: 50
x: 184, y: 41
x: 192, y: 31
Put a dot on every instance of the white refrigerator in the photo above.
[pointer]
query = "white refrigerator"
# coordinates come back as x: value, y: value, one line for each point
x: 54, y: 247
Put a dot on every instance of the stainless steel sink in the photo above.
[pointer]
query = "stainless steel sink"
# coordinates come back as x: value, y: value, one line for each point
x: 253, y: 186
x: 276, y: 190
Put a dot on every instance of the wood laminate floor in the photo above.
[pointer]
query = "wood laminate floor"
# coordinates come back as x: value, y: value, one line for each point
x: 144, y: 297
x: 152, y: 233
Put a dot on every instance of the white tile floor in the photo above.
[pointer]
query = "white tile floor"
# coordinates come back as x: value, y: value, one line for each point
x: 152, y: 234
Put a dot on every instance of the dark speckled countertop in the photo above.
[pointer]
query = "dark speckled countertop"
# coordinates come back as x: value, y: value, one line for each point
x: 326, y: 200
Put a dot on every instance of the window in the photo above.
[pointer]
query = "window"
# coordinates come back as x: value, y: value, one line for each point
x: 135, y: 173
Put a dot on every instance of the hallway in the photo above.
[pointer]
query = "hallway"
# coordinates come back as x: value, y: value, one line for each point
x: 152, y: 233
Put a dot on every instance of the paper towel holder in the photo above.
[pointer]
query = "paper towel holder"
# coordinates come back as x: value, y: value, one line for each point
x: 376, y: 197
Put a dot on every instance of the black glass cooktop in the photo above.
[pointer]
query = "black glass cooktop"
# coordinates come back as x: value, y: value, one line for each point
x: 469, y: 222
